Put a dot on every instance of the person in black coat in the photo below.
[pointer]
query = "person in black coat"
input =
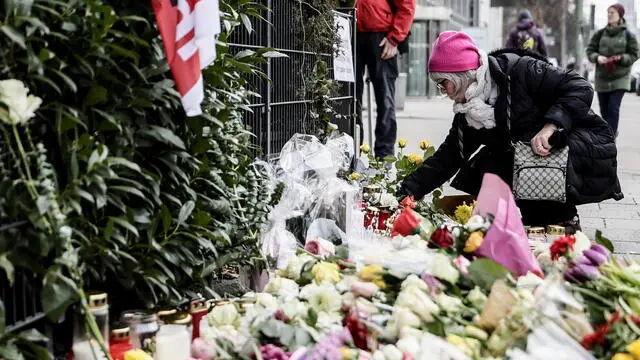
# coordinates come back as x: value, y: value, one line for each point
x: 550, y: 108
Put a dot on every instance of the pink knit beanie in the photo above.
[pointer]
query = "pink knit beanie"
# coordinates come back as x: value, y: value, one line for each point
x: 454, y: 52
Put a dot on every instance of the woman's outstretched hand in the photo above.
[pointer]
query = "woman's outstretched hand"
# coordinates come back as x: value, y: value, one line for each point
x: 540, y: 142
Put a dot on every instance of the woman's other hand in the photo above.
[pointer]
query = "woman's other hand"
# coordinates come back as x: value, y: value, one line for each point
x: 603, y: 59
x: 540, y: 142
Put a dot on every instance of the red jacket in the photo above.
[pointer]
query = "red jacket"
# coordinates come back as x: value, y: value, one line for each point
x: 377, y: 16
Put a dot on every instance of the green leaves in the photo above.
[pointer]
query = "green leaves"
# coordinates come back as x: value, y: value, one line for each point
x: 7, y: 266
x: 604, y: 241
x: 58, y: 293
x: 186, y: 211
x: 13, y: 34
x: 485, y: 272
x: 162, y: 135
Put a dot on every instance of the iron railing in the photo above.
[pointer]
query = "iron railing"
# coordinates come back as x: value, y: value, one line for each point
x: 282, y: 110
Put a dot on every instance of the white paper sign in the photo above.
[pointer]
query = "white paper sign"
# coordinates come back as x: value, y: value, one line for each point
x: 343, y: 59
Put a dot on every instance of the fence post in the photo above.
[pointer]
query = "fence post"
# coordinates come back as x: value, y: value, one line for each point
x: 267, y: 86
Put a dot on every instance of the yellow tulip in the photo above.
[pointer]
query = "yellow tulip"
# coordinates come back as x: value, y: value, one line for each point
x: 621, y: 356
x: 354, y: 176
x: 424, y: 145
x: 372, y: 273
x: 634, y: 349
x: 474, y: 241
x: 365, y: 149
x: 402, y: 143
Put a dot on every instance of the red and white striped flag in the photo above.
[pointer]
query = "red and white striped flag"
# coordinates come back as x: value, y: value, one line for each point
x: 189, y: 31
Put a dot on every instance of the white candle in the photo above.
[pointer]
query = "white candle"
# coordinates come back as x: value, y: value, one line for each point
x: 173, y: 342
x: 85, y: 350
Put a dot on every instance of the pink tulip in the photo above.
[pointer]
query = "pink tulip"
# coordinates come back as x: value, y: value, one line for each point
x: 364, y: 289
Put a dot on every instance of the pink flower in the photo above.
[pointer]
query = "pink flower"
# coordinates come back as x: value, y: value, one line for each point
x: 432, y: 283
x: 281, y: 316
x: 320, y: 247
x: 364, y: 289
x: 462, y: 263
x: 201, y: 349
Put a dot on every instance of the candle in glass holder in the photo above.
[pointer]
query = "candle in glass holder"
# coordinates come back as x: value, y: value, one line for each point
x: 173, y: 342
x: 85, y: 350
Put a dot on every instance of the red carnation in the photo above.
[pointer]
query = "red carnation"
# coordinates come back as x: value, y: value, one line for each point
x: 441, y: 238
x: 561, y: 246
x: 599, y: 337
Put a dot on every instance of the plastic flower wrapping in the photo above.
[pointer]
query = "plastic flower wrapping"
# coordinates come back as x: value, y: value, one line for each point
x: 472, y: 289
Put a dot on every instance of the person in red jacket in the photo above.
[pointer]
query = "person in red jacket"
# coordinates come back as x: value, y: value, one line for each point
x: 382, y: 25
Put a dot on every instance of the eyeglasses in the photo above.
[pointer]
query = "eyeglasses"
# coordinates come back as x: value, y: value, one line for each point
x: 440, y: 85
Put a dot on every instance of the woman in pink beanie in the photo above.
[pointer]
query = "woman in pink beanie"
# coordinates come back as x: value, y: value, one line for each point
x: 510, y: 96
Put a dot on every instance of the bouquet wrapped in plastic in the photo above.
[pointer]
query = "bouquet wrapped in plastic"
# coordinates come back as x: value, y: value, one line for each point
x: 506, y: 241
x: 315, y: 203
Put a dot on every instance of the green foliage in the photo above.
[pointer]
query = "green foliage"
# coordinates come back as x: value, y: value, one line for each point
x: 152, y: 203
x: 315, y: 20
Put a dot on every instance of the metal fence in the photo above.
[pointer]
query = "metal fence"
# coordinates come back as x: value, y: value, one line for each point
x: 277, y: 114
x: 281, y: 111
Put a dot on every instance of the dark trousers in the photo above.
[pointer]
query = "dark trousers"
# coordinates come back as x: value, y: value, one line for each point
x: 543, y: 213
x: 383, y: 74
x: 610, y: 107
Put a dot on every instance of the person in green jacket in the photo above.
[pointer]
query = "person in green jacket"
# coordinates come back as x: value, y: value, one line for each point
x: 613, y: 49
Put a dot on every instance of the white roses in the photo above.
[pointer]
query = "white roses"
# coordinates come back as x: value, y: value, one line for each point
x: 20, y: 106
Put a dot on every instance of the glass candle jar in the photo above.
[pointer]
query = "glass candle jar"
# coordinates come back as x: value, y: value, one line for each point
x: 173, y: 340
x: 99, y: 308
x: 536, y: 233
x: 144, y: 327
x: 163, y: 313
x: 120, y: 342
x: 554, y: 232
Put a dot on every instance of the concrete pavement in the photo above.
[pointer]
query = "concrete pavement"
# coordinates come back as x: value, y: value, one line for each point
x: 424, y: 119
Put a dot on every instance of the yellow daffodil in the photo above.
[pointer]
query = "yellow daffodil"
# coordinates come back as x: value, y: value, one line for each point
x: 365, y: 149
x: 402, y: 143
x: 474, y: 241
x: 634, y: 349
x: 372, y: 273
x: 326, y: 271
x: 424, y: 145
x: 415, y: 158
x: 354, y: 176
x: 621, y: 356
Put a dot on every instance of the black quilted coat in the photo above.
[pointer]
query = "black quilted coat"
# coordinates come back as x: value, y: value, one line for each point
x: 540, y: 93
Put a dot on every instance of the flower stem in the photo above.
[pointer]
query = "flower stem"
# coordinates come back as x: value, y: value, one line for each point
x: 25, y: 162
x: 92, y: 326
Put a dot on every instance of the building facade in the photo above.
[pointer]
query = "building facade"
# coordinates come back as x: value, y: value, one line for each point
x: 433, y: 17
